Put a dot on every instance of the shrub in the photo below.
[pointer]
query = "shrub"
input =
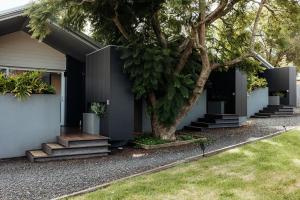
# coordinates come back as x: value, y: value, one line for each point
x: 24, y: 85
x: 254, y: 82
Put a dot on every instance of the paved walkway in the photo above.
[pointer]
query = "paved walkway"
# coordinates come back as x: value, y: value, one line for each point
x: 20, y: 179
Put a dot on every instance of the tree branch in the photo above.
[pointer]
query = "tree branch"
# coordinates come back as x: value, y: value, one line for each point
x: 157, y: 30
x: 184, y: 56
x: 231, y: 62
x: 83, y: 1
x: 230, y: 5
x: 119, y: 25
x: 214, y: 14
x: 261, y: 6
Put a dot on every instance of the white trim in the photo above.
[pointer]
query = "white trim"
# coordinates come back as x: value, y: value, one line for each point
x: 62, y: 101
x: 89, y: 43
x: 31, y: 69
x: 101, y: 49
x: 6, y: 70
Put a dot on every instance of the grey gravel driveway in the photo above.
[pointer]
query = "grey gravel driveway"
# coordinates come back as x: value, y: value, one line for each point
x: 20, y: 179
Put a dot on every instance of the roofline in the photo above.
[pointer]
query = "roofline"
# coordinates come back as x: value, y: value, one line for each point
x: 13, y: 12
x: 19, y: 11
x: 263, y: 61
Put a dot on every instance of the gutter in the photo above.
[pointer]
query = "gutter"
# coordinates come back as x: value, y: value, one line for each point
x: 19, y: 11
x: 264, y: 62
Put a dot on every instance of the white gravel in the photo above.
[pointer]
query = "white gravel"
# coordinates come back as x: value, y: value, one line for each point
x: 20, y: 179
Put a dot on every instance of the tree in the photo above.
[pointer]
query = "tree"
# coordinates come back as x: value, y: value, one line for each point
x: 169, y: 47
x: 279, y: 34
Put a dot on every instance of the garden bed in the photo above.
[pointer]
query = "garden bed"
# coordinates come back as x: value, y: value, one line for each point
x: 150, y: 142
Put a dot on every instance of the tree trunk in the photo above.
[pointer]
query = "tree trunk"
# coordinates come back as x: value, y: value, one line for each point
x: 168, y: 133
x: 159, y: 130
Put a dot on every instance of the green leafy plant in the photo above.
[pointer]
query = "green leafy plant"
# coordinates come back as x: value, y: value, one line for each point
x: 98, y: 108
x: 255, y: 82
x: 151, y: 69
x: 280, y: 94
x: 149, y: 140
x: 24, y: 85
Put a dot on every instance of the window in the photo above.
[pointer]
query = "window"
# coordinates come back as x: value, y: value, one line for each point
x: 4, y: 70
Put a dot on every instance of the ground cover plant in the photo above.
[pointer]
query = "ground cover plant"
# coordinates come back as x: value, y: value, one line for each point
x: 268, y: 170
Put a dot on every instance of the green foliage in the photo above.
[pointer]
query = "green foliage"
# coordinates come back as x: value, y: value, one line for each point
x: 151, y: 70
x: 149, y: 140
x: 255, y: 82
x: 253, y: 69
x: 152, y: 140
x: 280, y: 94
x: 98, y: 108
x: 24, y: 85
x: 152, y: 67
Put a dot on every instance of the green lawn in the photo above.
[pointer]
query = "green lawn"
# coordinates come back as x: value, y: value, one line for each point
x: 269, y: 169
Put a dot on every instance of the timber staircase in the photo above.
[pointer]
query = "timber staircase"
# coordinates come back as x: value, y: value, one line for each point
x: 215, y: 121
x: 71, y: 147
x: 275, y: 111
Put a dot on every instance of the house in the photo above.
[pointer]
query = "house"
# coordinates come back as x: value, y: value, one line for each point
x: 83, y: 71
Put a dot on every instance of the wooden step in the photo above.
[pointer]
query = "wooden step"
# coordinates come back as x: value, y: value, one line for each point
x: 59, y: 150
x: 82, y: 140
x: 41, y: 156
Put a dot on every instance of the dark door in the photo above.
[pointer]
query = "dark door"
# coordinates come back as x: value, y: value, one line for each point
x: 75, y: 89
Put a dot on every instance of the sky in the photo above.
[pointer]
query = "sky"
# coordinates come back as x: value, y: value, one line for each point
x: 7, y: 4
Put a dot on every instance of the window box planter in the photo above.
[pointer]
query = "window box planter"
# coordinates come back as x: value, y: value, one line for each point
x: 274, y: 100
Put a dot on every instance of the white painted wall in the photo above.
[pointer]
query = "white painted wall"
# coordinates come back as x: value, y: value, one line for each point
x: 18, y: 49
x: 257, y: 100
x: 298, y: 94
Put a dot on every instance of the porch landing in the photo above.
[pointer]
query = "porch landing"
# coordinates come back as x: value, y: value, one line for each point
x: 71, y: 146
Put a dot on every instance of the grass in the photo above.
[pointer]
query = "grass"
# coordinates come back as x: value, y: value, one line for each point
x: 268, y: 170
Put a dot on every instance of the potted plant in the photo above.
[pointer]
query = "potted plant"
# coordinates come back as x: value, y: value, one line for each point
x: 91, y: 120
x: 274, y: 98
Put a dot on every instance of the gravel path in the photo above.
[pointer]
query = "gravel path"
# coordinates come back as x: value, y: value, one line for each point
x: 20, y: 179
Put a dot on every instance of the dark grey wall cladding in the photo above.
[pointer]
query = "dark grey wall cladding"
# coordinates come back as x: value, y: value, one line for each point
x: 106, y: 82
x: 283, y: 79
x: 240, y: 93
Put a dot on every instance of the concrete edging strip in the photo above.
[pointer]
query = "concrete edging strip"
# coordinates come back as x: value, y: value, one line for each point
x: 170, y: 165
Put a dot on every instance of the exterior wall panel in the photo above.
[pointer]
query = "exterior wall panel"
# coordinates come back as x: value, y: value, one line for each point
x: 257, y: 100
x: 18, y: 49
x: 106, y: 82
x: 281, y: 80
x: 25, y: 125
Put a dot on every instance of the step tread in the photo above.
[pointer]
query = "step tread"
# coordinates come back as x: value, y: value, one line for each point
x: 190, y: 127
x: 219, y: 121
x: 258, y: 116
x: 42, y: 154
x: 227, y: 115
x: 82, y: 137
x: 38, y: 153
x: 56, y: 146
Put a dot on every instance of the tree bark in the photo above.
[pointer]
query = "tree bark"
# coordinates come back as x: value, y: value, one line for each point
x: 161, y: 131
